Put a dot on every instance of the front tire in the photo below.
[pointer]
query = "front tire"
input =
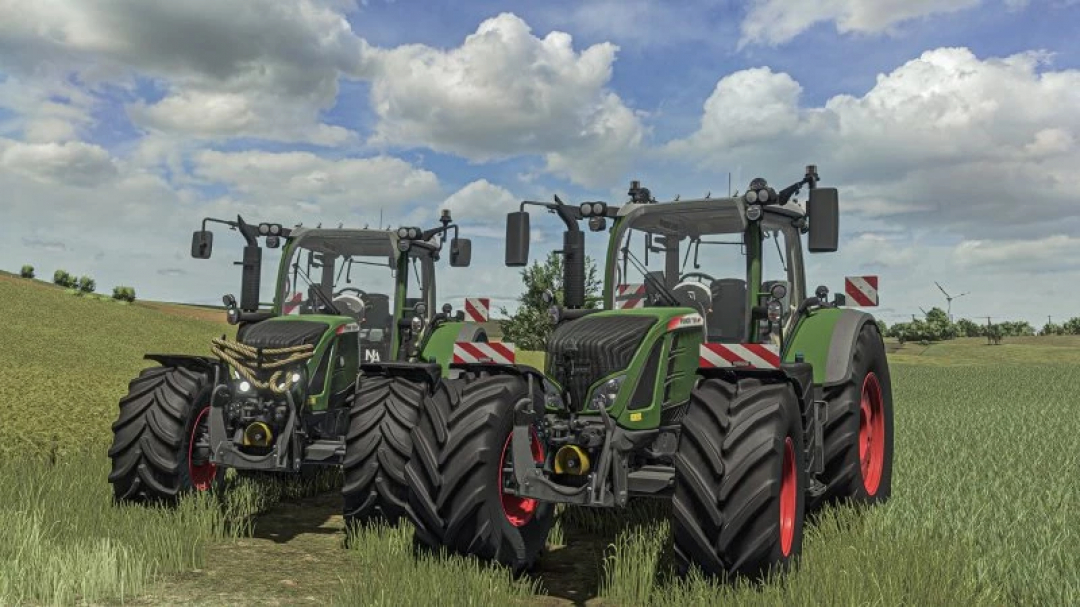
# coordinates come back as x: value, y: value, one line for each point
x: 461, y: 456
x: 858, y: 433
x: 740, y: 479
x: 160, y: 446
x: 383, y: 412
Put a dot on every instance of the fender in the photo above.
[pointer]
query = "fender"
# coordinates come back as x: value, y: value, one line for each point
x: 826, y: 338
x: 439, y: 348
x: 429, y: 373
x: 186, y: 361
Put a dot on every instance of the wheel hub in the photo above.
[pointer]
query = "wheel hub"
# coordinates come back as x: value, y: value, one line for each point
x: 871, y: 434
x: 518, y: 510
x: 200, y: 469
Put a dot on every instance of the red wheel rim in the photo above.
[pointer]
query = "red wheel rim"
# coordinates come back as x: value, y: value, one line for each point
x: 518, y: 510
x: 788, y: 494
x: 871, y: 434
x: 202, y: 475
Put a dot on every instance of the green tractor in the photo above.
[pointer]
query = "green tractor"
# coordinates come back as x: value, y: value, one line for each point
x: 284, y: 396
x: 723, y: 386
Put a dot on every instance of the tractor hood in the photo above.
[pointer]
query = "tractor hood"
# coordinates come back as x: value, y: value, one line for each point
x: 582, y: 352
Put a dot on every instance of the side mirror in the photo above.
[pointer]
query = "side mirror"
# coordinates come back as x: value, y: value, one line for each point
x: 202, y: 243
x: 251, y: 273
x: 517, y: 239
x: 824, y: 216
x: 460, y: 252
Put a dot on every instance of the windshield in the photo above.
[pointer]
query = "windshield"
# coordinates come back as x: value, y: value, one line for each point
x: 694, y: 254
x: 348, y: 273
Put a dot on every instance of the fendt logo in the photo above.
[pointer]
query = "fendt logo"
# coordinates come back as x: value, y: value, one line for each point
x: 372, y: 356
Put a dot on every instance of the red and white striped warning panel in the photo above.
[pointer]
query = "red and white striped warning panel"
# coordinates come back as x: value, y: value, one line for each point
x: 477, y: 309
x: 494, y: 352
x: 862, y: 290
x: 629, y: 297
x: 752, y: 356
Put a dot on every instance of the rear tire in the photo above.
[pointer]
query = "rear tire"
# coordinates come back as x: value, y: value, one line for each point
x: 455, y: 475
x: 156, y: 455
x: 858, y: 433
x: 740, y: 479
x: 383, y: 412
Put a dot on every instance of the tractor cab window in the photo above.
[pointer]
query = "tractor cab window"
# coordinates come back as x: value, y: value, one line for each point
x: 347, y: 273
x: 694, y: 254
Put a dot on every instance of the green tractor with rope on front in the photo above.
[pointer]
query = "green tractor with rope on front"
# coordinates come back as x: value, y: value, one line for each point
x: 710, y: 377
x: 284, y: 396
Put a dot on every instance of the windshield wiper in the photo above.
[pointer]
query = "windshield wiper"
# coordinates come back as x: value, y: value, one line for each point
x: 318, y: 290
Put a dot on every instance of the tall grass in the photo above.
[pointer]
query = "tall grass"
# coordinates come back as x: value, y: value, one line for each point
x: 983, y: 513
x: 389, y: 573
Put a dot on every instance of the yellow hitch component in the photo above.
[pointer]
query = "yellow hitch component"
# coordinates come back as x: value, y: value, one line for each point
x: 571, y: 459
x: 258, y: 434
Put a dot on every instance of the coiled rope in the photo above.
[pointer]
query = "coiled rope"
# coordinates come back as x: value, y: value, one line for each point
x: 246, y: 359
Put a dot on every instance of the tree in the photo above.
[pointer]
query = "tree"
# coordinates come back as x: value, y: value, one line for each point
x: 1072, y: 326
x: 86, y: 285
x: 27, y: 271
x: 530, y: 327
x: 968, y: 328
x: 882, y: 328
x: 1052, y: 329
x: 63, y: 279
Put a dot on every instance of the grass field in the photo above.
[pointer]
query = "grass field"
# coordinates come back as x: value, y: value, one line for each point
x: 985, y: 495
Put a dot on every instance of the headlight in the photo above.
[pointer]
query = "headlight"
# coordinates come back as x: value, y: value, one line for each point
x: 776, y: 311
x: 403, y: 232
x: 751, y: 196
x: 552, y: 397
x: 753, y: 212
x: 417, y: 324
x: 244, y: 386
x: 604, y: 396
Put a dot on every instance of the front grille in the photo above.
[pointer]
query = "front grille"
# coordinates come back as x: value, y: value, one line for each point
x: 582, y: 351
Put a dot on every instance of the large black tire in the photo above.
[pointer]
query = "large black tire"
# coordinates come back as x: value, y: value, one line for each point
x: 740, y: 480
x: 152, y: 438
x: 848, y: 423
x: 455, y: 493
x: 382, y: 414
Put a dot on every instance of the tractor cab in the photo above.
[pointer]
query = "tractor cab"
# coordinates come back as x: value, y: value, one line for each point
x: 696, y: 254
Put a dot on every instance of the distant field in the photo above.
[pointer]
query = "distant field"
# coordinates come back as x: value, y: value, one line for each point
x: 984, y: 513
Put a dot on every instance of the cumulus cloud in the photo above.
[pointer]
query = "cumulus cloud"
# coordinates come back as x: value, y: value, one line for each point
x: 300, y: 183
x: 229, y: 68
x: 1051, y: 254
x: 503, y: 93
x: 778, y: 21
x: 946, y: 140
x: 481, y: 200
x: 74, y: 163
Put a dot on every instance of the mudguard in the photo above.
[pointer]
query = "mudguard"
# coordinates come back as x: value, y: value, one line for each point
x: 439, y: 348
x: 186, y: 361
x: 826, y: 339
x: 430, y: 373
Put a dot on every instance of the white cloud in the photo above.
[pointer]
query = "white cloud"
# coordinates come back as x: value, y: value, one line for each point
x: 258, y: 68
x: 945, y: 140
x: 778, y: 21
x: 481, y: 200
x: 296, y: 183
x: 73, y: 163
x: 1051, y: 254
x: 503, y: 93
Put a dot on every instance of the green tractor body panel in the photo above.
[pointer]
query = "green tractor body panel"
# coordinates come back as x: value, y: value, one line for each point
x: 336, y: 360
x: 811, y: 338
x: 439, y: 348
x: 660, y: 373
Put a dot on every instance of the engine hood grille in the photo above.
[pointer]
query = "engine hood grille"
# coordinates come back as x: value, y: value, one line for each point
x: 582, y: 351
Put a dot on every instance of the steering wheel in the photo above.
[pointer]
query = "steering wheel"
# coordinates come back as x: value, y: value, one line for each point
x: 701, y: 275
x: 357, y: 304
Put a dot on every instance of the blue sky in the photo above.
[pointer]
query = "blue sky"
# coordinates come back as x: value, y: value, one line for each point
x: 942, y: 123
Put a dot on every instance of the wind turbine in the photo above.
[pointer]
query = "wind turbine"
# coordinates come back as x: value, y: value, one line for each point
x: 949, y: 298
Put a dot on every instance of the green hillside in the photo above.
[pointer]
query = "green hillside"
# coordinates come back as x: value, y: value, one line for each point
x: 69, y: 359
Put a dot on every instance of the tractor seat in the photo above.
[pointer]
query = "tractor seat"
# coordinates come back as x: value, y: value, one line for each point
x: 378, y: 315
x: 727, y: 321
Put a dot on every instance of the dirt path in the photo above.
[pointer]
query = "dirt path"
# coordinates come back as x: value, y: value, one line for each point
x: 296, y: 558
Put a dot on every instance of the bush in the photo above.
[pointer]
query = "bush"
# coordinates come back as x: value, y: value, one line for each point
x: 124, y: 294
x: 63, y: 279
x: 27, y: 271
x: 86, y: 284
